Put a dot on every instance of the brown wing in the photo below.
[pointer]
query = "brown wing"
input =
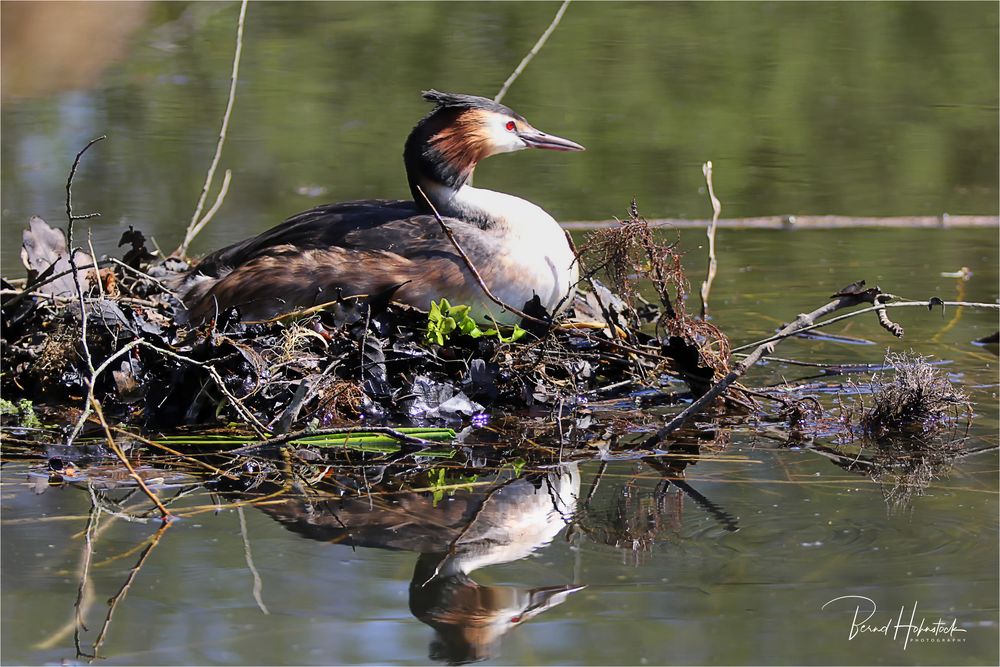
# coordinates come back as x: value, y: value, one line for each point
x: 331, y: 225
x: 330, y: 252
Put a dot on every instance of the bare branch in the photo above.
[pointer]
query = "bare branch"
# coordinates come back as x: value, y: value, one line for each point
x: 870, y: 309
x: 706, y: 286
x: 531, y: 54
x: 801, y: 323
x: 197, y: 222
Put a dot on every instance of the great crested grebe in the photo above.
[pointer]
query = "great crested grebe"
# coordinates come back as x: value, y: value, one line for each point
x: 364, y: 247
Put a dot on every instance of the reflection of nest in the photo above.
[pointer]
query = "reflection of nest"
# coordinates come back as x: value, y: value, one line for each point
x: 903, y: 465
x: 903, y: 471
x: 635, y: 519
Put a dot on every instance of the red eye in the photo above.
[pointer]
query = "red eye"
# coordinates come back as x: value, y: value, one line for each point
x: 510, y: 125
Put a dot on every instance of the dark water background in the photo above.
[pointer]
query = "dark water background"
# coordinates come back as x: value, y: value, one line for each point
x: 818, y: 108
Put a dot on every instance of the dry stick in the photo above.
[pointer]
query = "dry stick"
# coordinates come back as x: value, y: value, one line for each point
x: 197, y: 223
x: 531, y: 54
x: 869, y: 309
x: 257, y: 583
x: 523, y: 315
x: 69, y: 193
x: 801, y: 322
x: 116, y: 448
x: 194, y: 231
x: 123, y: 591
x: 706, y: 286
x: 71, y: 218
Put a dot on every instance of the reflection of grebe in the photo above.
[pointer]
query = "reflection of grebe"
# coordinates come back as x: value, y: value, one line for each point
x: 364, y: 247
x: 500, y: 524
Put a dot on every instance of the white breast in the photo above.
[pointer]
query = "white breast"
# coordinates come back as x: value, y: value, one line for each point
x: 533, y: 253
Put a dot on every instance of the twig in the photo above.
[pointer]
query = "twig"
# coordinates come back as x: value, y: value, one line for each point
x: 197, y: 222
x: 257, y: 583
x: 69, y: 193
x: 116, y: 448
x: 196, y: 229
x: 869, y: 309
x: 706, y: 286
x: 97, y: 271
x: 71, y: 218
x: 472, y: 267
x: 531, y: 54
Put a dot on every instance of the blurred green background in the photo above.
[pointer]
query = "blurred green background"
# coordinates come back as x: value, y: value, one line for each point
x: 804, y: 108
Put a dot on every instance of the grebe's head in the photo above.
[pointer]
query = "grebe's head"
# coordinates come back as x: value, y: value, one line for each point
x: 461, y: 130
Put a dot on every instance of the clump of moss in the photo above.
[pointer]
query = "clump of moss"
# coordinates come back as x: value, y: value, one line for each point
x: 915, y: 397
x: 23, y: 412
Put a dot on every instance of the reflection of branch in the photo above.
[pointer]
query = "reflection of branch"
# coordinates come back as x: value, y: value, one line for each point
x: 531, y: 54
x: 727, y: 520
x: 257, y: 584
x: 174, y: 452
x: 336, y: 430
x: 123, y: 591
x: 594, y: 483
x: 84, y: 595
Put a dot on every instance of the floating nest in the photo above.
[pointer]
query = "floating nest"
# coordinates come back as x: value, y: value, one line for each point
x: 110, y: 334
